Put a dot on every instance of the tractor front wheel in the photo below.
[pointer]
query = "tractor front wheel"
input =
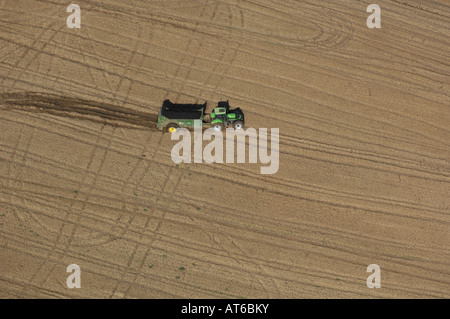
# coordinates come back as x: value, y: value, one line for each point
x: 238, y: 125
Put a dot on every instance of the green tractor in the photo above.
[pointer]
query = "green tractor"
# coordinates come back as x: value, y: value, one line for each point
x: 222, y: 116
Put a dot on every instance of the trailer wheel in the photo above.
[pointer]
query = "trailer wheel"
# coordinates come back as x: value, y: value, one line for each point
x: 238, y: 125
x: 218, y: 127
x: 171, y: 127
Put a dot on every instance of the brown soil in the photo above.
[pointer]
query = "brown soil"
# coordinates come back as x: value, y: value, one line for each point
x: 87, y: 179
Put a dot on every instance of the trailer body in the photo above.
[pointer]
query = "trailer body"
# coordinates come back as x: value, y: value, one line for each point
x: 180, y: 115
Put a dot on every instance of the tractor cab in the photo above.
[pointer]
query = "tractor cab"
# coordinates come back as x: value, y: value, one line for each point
x: 219, y: 112
x: 224, y: 104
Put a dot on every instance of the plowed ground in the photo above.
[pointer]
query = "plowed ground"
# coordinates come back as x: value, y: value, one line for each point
x: 364, y: 174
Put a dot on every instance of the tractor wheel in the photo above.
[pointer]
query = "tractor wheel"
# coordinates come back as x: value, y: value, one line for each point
x: 207, y: 118
x: 238, y: 125
x: 172, y: 127
x: 218, y: 127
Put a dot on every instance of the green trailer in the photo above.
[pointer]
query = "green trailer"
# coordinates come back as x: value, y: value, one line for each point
x: 172, y: 116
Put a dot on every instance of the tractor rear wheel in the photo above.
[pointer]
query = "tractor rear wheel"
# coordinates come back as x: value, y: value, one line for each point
x: 172, y: 127
x: 218, y: 127
x: 238, y: 125
x: 207, y: 118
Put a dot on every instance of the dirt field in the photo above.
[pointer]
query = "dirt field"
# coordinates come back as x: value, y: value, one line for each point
x: 364, y: 175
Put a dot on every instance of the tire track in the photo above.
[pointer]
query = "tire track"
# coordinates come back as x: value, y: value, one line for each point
x: 338, y: 131
x: 99, y: 112
x: 314, y: 102
x: 185, y: 248
x: 283, y: 184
